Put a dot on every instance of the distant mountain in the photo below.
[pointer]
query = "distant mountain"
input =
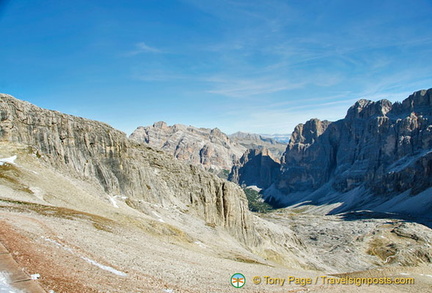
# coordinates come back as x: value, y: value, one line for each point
x: 379, y: 157
x: 259, y: 141
x: 282, y: 138
x: 210, y: 148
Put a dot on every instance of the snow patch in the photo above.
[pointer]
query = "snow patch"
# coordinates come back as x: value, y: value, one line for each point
x: 10, y: 160
x: 159, y: 217
x: 168, y: 290
x: 35, y: 276
x: 113, y: 202
x: 200, y: 244
x: 430, y: 276
x: 254, y: 187
x: 103, y: 267
x: 4, y: 284
x: 58, y: 244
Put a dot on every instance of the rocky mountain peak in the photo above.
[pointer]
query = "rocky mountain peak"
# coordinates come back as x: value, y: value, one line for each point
x: 160, y: 124
x: 307, y: 133
x: 217, y: 133
x: 364, y: 109
x: 206, y: 147
x: 419, y: 102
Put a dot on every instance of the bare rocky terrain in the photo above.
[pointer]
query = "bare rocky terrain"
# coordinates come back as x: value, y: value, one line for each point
x: 258, y: 142
x: 209, y: 148
x: 91, y: 211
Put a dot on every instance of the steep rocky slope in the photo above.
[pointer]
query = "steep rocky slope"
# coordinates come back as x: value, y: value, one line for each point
x: 198, y: 146
x: 256, y: 167
x: 379, y: 157
x: 96, y: 152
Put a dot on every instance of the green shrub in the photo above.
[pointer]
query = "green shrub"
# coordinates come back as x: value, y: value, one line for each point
x: 255, y: 201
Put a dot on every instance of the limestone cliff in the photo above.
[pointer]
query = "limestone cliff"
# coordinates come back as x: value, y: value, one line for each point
x: 256, y: 167
x: 96, y: 152
x: 210, y: 148
x: 379, y: 148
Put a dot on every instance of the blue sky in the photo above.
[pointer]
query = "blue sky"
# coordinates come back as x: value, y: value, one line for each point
x: 254, y: 66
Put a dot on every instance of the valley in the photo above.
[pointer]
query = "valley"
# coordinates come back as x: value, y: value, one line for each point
x: 90, y: 210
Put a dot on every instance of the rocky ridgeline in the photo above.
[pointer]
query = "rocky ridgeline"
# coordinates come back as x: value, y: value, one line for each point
x: 383, y: 148
x: 198, y: 146
x: 253, y: 141
x: 96, y: 152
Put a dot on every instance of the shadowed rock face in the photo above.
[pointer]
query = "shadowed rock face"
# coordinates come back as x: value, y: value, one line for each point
x: 385, y: 147
x: 98, y: 153
x: 210, y: 148
x: 256, y: 167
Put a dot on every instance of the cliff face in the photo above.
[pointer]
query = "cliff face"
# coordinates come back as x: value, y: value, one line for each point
x: 95, y: 152
x: 381, y: 147
x: 256, y: 167
x: 210, y: 148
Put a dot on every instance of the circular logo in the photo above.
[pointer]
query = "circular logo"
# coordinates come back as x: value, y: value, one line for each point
x: 238, y: 280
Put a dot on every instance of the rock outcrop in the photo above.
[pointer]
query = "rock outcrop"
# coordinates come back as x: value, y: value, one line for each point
x: 210, y: 148
x: 256, y: 167
x: 95, y: 152
x: 379, y: 148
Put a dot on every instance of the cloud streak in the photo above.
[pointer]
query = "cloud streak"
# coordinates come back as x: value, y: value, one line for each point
x: 143, y: 48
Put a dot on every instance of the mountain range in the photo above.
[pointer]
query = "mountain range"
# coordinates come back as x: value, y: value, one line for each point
x: 84, y: 208
x: 379, y: 157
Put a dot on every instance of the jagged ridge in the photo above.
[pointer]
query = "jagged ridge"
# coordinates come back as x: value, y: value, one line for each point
x: 383, y: 148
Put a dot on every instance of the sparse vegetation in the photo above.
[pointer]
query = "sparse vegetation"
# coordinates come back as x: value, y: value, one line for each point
x: 223, y: 174
x: 255, y: 201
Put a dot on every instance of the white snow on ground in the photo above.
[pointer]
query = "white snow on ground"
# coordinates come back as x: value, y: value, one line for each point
x: 159, y: 217
x: 10, y: 160
x: 103, y: 267
x: 113, y: 201
x: 106, y: 268
x: 5, y: 287
x: 58, y: 244
x: 430, y: 276
x: 200, y: 244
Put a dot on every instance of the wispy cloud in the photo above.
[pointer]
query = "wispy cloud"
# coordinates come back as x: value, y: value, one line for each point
x: 142, y: 48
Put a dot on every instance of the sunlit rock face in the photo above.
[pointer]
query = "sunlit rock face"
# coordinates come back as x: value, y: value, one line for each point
x: 206, y: 147
x: 94, y: 151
